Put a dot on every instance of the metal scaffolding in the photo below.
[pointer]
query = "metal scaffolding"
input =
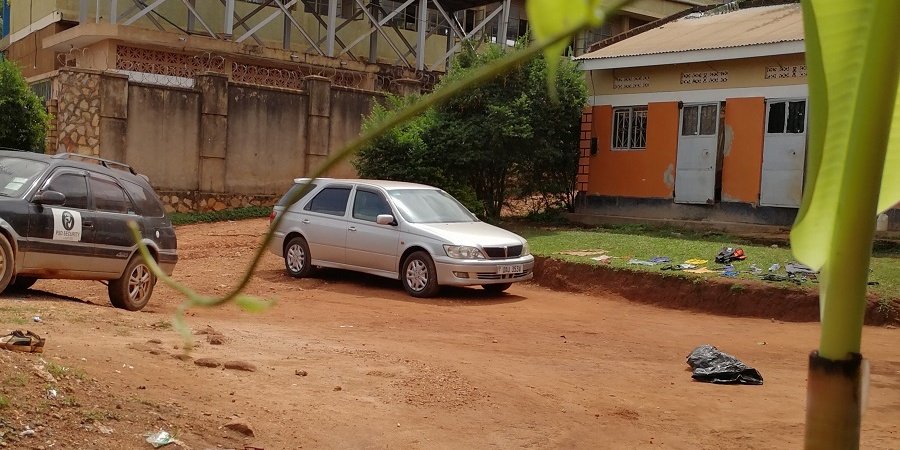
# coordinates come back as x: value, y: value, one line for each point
x: 431, y: 18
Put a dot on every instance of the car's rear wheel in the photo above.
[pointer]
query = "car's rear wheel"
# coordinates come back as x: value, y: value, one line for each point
x: 21, y: 283
x: 133, y: 289
x: 496, y: 288
x: 7, y: 263
x: 297, y: 258
x: 419, y: 275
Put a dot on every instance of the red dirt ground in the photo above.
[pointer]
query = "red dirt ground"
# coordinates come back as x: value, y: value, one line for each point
x: 535, y: 368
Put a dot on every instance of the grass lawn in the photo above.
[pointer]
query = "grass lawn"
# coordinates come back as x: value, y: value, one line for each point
x: 634, y: 241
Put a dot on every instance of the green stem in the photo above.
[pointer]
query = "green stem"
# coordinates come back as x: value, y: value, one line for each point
x: 845, y: 274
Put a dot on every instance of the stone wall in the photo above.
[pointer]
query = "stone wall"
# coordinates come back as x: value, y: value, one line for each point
x: 78, y: 112
x: 216, y: 145
x: 194, y: 201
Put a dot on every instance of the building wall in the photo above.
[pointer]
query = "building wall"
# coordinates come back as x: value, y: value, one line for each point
x: 647, y: 173
x: 742, y: 165
x: 162, y: 138
x: 266, y: 139
x: 232, y: 143
x: 30, y: 57
x: 348, y: 108
x: 739, y: 73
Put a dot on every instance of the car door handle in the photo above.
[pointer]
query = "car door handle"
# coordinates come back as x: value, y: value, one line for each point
x: 87, y: 224
x: 352, y: 228
x: 305, y: 220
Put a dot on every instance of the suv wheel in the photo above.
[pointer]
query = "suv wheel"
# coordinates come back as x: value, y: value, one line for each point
x: 133, y: 290
x: 419, y: 275
x: 296, y: 258
x: 7, y: 263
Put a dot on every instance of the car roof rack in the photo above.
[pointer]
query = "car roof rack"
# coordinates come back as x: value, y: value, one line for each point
x: 103, y: 162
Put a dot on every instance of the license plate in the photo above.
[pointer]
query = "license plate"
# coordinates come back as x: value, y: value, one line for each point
x: 510, y: 269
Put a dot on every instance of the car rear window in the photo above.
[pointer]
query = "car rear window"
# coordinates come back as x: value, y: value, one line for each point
x: 293, y: 190
x: 330, y: 201
x: 17, y: 175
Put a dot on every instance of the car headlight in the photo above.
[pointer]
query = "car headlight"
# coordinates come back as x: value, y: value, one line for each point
x: 463, y: 252
x: 525, y: 250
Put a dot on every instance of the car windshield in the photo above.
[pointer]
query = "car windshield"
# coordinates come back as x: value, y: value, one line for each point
x: 430, y: 206
x: 17, y: 174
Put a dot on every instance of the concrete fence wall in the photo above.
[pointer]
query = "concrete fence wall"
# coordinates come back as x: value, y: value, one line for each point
x: 225, y: 143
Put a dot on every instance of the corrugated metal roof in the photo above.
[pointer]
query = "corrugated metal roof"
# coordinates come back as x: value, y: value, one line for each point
x: 746, y: 27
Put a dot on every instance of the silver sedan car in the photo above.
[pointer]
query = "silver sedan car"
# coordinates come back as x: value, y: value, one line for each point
x: 415, y: 233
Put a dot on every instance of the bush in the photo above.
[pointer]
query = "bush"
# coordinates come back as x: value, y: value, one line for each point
x: 24, y: 124
x: 250, y: 212
x: 503, y: 139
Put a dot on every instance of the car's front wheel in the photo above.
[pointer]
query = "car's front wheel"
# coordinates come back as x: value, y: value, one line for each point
x: 419, y: 275
x: 133, y: 289
x: 296, y: 258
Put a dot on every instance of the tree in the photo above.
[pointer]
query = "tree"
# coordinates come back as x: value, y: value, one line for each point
x: 24, y: 124
x: 401, y: 154
x: 503, y: 138
x: 551, y: 172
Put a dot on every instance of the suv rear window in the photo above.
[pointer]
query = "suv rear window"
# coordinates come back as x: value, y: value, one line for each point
x: 108, y: 196
x: 17, y: 174
x: 145, y: 201
x: 293, y: 190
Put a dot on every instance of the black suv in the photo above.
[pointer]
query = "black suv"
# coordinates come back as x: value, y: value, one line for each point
x: 66, y: 216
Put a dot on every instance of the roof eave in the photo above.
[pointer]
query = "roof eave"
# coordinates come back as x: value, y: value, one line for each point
x: 691, y: 56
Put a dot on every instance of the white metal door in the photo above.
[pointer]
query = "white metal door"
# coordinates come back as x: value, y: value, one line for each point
x: 784, y: 153
x: 695, y: 168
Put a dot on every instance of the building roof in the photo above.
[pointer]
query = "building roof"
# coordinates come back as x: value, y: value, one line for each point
x: 741, y: 33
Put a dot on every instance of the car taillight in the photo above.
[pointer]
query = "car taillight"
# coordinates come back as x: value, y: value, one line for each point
x: 271, y: 217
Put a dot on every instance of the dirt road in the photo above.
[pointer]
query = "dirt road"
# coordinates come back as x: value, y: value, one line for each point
x: 349, y: 361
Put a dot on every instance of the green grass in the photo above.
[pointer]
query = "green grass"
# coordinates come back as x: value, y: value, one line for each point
x: 59, y: 371
x: 17, y: 380
x: 637, y: 241
x: 4, y: 401
x: 249, y: 212
x: 13, y: 314
x: 96, y: 415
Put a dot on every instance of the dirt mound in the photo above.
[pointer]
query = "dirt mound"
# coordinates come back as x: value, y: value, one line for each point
x: 740, y: 299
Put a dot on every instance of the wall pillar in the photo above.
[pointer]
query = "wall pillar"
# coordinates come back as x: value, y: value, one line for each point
x: 318, y: 122
x: 213, y: 89
x: 113, y: 116
x: 78, y: 119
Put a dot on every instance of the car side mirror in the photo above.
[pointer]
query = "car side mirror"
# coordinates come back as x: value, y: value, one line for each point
x: 52, y: 198
x: 385, y: 219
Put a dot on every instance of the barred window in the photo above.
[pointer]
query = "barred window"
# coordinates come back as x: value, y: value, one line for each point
x: 630, y: 128
x: 699, y: 120
x: 787, y: 117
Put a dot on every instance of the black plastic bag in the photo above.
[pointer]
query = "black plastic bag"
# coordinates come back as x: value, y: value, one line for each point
x: 713, y: 366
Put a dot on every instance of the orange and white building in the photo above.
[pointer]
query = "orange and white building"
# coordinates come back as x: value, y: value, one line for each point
x: 700, y: 118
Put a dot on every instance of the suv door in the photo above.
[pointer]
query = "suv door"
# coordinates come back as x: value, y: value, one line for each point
x: 324, y: 223
x: 62, y: 237
x: 369, y: 244
x: 113, y: 210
